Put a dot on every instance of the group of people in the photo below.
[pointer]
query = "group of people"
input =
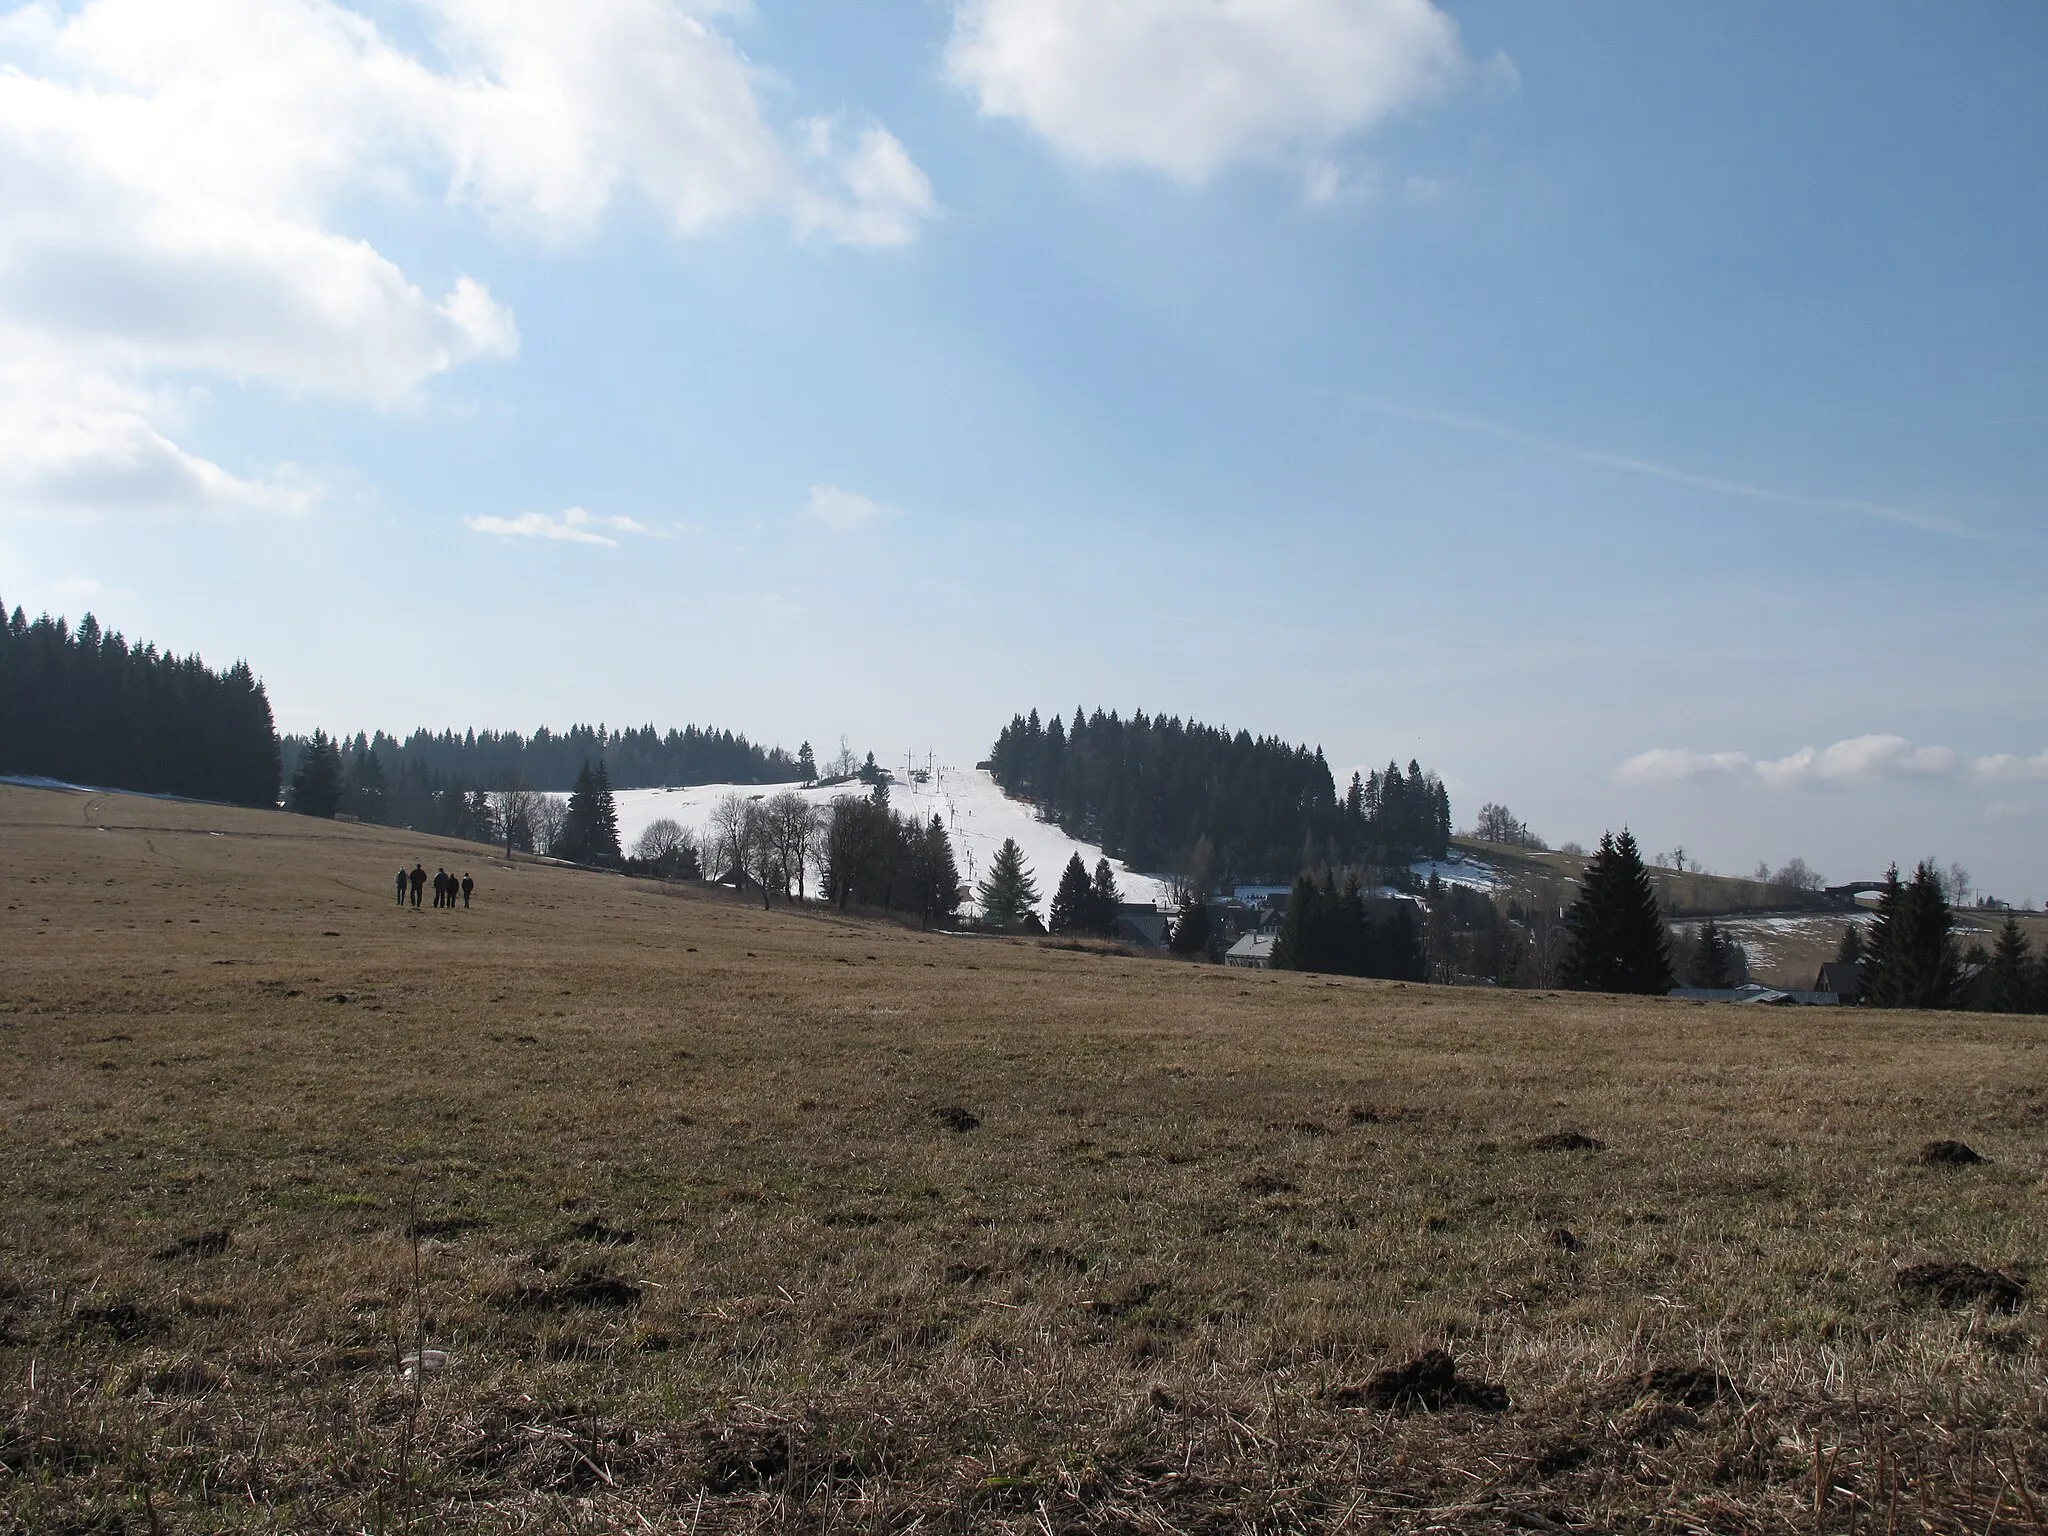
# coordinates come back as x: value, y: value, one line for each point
x: 446, y: 886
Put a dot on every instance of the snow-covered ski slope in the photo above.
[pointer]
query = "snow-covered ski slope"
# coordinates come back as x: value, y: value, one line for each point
x: 975, y: 813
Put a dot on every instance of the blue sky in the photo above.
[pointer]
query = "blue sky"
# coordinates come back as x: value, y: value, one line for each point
x: 1638, y: 413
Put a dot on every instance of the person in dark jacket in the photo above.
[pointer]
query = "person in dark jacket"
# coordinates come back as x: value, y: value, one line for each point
x: 419, y: 883
x: 403, y: 882
x: 468, y: 885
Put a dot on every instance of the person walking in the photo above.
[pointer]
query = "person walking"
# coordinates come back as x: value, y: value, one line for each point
x: 440, y: 887
x: 402, y: 883
x: 419, y: 883
x: 468, y: 885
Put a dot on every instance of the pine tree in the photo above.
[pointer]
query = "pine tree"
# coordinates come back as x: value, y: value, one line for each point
x: 2010, y: 981
x: 806, y: 763
x: 579, y: 822
x: 604, y: 819
x: 1617, y: 941
x: 1105, y: 901
x: 1911, y: 949
x: 1712, y: 964
x: 1007, y: 893
x: 1851, y: 948
x: 365, y: 795
x: 1191, y: 931
x: 1071, y: 902
x: 1298, y: 946
x: 316, y: 786
x: 941, y: 875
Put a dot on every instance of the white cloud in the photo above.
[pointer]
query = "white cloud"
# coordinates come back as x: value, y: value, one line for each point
x: 176, y: 176
x: 2008, y: 766
x: 846, y: 511
x: 1187, y: 86
x: 1662, y: 765
x: 574, y: 526
x: 1858, y: 760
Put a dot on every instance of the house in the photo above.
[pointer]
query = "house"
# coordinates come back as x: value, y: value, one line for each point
x: 1252, y: 952
x: 1140, y: 923
x: 1754, y: 995
x: 1844, y: 978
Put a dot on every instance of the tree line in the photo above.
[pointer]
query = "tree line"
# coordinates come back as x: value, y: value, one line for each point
x: 84, y: 706
x: 638, y: 758
x: 1160, y: 793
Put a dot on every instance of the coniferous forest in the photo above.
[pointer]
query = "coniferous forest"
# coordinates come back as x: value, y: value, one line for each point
x: 1149, y: 789
x: 641, y: 758
x: 84, y: 706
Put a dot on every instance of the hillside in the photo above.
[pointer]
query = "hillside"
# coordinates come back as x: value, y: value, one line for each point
x: 694, y: 1216
x: 976, y: 814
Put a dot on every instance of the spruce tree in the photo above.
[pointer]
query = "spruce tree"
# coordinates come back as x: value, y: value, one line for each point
x: 366, y: 791
x: 1850, y: 949
x: 604, y: 819
x: 1298, y: 947
x: 1104, y: 900
x: 1191, y: 930
x: 1617, y: 941
x: 941, y: 875
x: 1071, y: 903
x: 2010, y: 981
x: 579, y: 821
x: 1007, y: 893
x: 1911, y: 949
x: 316, y: 785
x: 1712, y: 964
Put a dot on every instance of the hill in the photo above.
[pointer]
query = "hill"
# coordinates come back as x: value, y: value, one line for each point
x: 976, y: 814
x: 704, y: 1216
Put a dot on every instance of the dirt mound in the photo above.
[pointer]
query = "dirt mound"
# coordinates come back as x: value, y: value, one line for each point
x: 954, y: 1118
x: 1950, y: 1154
x: 1960, y: 1285
x: 579, y: 1291
x: 441, y: 1226
x: 596, y: 1231
x: 1565, y: 1238
x: 1689, y: 1386
x: 1268, y: 1184
x: 1567, y: 1141
x: 198, y: 1245
x: 1429, y: 1382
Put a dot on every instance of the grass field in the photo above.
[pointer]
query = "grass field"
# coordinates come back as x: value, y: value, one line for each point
x: 601, y: 1207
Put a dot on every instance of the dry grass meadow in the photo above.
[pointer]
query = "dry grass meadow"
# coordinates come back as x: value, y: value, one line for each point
x: 606, y: 1208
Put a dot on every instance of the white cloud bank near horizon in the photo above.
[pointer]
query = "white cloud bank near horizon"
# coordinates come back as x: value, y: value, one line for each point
x: 1186, y: 87
x: 1856, y: 760
x: 175, y: 177
x: 574, y: 526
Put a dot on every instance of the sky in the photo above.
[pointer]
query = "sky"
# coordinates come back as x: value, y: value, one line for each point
x: 1638, y: 414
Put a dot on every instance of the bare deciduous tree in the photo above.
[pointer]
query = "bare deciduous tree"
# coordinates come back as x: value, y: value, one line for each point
x: 1795, y: 875
x: 548, y: 815
x: 668, y: 846
x: 516, y: 813
x: 793, y: 823
x: 728, y: 837
x: 760, y: 849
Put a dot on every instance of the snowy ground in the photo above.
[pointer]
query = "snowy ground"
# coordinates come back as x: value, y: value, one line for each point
x: 1466, y: 872
x: 975, y: 813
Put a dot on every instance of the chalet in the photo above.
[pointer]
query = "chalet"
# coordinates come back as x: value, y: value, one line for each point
x: 1252, y: 952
